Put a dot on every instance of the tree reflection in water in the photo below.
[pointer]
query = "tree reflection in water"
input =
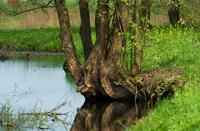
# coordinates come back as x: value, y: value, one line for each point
x: 108, y: 115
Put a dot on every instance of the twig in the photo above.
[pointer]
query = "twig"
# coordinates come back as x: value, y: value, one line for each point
x: 59, y: 106
x: 36, y: 8
x: 43, y: 113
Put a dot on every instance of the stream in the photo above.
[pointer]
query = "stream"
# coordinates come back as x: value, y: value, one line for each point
x: 41, y: 85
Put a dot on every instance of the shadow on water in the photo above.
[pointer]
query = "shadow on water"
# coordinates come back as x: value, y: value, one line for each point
x: 108, y: 115
x: 92, y: 116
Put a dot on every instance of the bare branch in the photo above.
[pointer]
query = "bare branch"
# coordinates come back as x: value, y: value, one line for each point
x: 35, y: 8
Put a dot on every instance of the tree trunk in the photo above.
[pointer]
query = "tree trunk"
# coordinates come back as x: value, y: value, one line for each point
x: 174, y: 15
x: 67, y: 41
x: 174, y: 12
x: 141, y: 18
x: 110, y: 66
x: 91, y: 81
x: 85, y: 29
x: 101, y: 75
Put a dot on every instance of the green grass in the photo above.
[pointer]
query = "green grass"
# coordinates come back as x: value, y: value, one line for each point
x: 31, y: 40
x: 46, y: 39
x: 168, y: 49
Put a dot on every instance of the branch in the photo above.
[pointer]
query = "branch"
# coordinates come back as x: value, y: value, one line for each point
x: 44, y: 113
x: 36, y: 8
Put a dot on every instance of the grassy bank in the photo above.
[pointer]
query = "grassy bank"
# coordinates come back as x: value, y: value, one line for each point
x: 46, y: 39
x: 175, y: 48
x: 31, y: 40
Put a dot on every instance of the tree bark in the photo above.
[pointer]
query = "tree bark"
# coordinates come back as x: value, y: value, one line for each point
x: 67, y: 41
x: 91, y: 82
x: 112, y: 62
x: 141, y: 18
x: 85, y: 29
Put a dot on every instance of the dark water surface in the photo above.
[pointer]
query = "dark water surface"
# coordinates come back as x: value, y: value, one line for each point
x: 41, y: 85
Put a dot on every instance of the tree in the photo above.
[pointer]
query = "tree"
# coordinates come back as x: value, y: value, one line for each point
x: 174, y: 12
x: 179, y: 11
x: 102, y: 75
x: 85, y: 30
x: 141, y: 17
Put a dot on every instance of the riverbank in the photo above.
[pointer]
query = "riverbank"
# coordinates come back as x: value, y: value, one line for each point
x: 36, y: 40
x: 46, y: 39
x: 26, y: 54
x: 166, y: 49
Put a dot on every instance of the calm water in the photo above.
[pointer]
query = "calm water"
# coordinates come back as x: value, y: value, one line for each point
x: 41, y: 84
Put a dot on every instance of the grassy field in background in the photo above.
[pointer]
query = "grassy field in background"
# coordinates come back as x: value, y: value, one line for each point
x: 166, y: 48
x: 46, y: 18
x: 31, y: 40
x: 46, y: 39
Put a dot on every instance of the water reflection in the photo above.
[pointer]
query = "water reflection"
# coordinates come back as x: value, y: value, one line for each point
x: 43, y: 82
x: 38, y: 85
x: 108, y: 115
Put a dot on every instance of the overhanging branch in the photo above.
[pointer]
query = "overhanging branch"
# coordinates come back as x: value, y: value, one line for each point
x: 35, y: 8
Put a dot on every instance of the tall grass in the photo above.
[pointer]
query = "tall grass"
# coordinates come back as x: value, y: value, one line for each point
x: 19, y: 121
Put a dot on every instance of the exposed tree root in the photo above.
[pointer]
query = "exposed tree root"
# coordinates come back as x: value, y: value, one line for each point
x: 116, y: 84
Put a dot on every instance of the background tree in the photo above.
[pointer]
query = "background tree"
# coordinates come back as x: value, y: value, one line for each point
x: 186, y: 11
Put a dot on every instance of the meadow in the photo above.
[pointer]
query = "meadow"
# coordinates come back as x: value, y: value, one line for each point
x: 166, y: 48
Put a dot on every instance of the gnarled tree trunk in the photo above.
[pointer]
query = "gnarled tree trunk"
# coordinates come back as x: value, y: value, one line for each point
x: 101, y: 75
